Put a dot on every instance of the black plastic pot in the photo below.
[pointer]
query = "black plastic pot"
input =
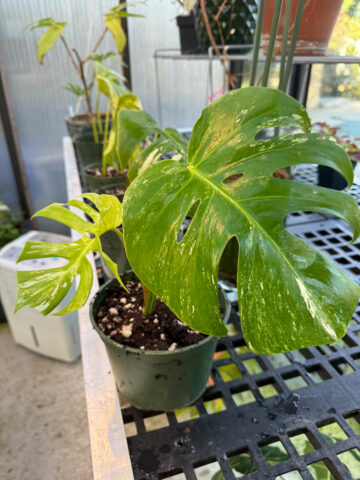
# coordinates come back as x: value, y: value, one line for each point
x: 77, y: 127
x: 88, y: 152
x: 161, y: 380
x: 94, y: 182
x: 237, y: 20
x: 189, y: 42
x: 106, y: 189
x: 327, y: 177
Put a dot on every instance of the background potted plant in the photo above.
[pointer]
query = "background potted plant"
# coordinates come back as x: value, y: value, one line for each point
x: 10, y: 228
x: 82, y: 123
x: 290, y: 295
x: 318, y: 21
x: 326, y: 176
x: 231, y: 22
x: 189, y: 42
x: 103, y: 167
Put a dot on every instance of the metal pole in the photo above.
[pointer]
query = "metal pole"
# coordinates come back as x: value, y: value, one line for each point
x: 12, y: 141
x: 126, y: 53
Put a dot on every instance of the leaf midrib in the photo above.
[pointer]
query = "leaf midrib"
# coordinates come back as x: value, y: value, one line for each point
x: 252, y: 220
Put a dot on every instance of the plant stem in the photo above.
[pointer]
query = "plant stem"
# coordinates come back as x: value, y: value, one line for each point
x: 77, y: 68
x: 213, y: 43
x: 83, y: 79
x: 149, y: 301
x: 298, y: 17
x: 258, y: 28
x: 97, y: 112
x: 94, y: 129
x: 274, y: 28
x: 284, y: 41
x: 96, y: 46
x: 106, y: 130
x: 105, y: 140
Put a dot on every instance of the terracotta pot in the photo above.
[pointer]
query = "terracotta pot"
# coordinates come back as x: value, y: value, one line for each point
x: 317, y: 24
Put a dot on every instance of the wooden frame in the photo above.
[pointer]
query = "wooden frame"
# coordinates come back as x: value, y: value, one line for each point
x: 109, y: 450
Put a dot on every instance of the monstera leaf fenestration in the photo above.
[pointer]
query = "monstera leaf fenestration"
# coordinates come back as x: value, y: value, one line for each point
x: 290, y: 295
x: 44, y: 289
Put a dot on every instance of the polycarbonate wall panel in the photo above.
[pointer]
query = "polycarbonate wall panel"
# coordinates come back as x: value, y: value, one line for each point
x: 183, y: 83
x: 39, y: 103
x: 8, y: 191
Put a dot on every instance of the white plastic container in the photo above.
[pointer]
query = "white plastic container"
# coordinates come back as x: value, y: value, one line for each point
x: 53, y: 336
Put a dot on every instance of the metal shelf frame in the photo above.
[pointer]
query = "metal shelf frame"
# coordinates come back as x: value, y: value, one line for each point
x: 299, y: 393
x: 301, y: 66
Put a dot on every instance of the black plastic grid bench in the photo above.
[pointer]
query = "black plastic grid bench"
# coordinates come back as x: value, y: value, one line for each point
x: 287, y: 416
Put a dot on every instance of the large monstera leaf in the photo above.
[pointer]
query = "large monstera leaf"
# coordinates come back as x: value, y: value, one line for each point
x: 290, y: 295
x: 44, y: 289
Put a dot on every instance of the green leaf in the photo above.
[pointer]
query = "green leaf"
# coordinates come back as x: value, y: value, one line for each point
x: 290, y: 295
x: 43, y: 22
x: 49, y: 38
x: 189, y: 5
x: 110, y: 83
x: 44, y: 289
x: 120, y: 11
x: 114, y: 25
x: 75, y: 89
x: 134, y: 126
x: 100, y: 57
x: 5, y: 211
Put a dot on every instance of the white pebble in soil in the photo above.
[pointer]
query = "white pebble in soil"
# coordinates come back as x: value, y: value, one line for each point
x: 172, y: 347
x: 162, y: 336
x: 113, y: 311
x: 155, y: 321
x: 123, y: 300
x: 126, y: 331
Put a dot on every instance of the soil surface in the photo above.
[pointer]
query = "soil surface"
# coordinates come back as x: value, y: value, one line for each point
x: 120, y: 317
x: 114, y: 191
x: 110, y: 172
x: 85, y: 118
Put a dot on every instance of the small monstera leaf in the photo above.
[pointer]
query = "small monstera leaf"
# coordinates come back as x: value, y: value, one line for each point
x: 135, y: 126
x: 109, y: 82
x: 113, y: 23
x: 290, y: 295
x: 44, y: 289
x: 48, y: 39
x: 111, y: 154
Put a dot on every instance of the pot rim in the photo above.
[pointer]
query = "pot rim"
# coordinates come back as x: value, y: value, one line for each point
x: 137, y: 351
x: 86, y: 138
x: 96, y: 165
x: 84, y: 122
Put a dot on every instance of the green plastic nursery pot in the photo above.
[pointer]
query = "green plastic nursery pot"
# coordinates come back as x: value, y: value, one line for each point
x: 88, y: 151
x: 163, y: 381
x: 113, y: 247
x: 80, y: 125
x: 94, y: 183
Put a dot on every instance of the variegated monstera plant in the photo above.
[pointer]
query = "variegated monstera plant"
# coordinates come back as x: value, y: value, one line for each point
x: 290, y: 295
